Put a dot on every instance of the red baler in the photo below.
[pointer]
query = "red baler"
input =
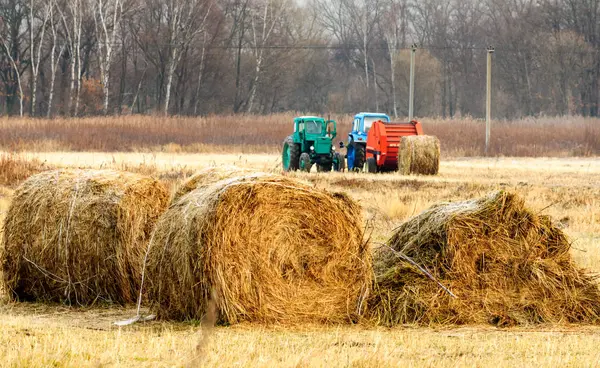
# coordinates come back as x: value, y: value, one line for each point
x: 383, y: 143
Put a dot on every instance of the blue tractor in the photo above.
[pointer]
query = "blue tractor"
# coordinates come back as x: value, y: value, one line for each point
x: 357, y: 139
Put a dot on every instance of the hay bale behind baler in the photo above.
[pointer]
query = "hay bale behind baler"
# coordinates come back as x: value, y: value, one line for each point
x: 506, y: 264
x: 419, y: 154
x: 263, y: 248
x: 79, y: 236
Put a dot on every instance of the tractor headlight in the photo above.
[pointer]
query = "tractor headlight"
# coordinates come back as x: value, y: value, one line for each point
x: 333, y: 148
x: 312, y: 148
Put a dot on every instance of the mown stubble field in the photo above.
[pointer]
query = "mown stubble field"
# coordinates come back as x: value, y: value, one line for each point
x: 568, y: 189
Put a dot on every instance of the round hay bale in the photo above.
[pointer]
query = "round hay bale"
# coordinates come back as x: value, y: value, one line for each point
x: 506, y: 264
x: 262, y: 248
x: 79, y: 236
x: 419, y: 154
x: 209, y: 176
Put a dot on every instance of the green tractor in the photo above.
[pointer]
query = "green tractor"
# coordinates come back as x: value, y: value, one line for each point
x: 312, y: 143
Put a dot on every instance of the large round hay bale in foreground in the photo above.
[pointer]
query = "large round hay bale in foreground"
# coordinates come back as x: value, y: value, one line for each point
x: 505, y: 263
x: 207, y: 176
x: 260, y: 248
x: 419, y: 154
x: 79, y: 236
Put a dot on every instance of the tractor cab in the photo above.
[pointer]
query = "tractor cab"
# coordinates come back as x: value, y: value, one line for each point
x: 315, y: 132
x: 357, y: 139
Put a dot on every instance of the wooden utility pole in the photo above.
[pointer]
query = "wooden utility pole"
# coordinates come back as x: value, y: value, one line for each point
x: 411, y: 96
x: 488, y: 99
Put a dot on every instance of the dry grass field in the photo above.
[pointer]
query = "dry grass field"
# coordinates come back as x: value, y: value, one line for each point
x: 568, y: 189
x: 563, y: 181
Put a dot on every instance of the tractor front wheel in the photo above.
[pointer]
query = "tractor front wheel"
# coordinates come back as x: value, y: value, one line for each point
x: 290, y: 155
x: 305, y: 164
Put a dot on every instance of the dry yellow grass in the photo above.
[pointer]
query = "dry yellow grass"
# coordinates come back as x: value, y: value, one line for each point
x: 28, y: 342
x: 566, y: 189
x: 160, y: 161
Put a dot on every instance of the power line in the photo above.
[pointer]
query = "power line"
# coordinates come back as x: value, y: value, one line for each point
x: 372, y: 48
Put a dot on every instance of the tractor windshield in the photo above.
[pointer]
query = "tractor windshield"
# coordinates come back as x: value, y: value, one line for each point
x: 313, y: 127
x: 369, y: 120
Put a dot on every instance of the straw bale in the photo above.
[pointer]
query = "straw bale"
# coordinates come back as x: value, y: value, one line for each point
x: 506, y: 264
x: 262, y: 248
x: 209, y: 176
x: 79, y: 236
x: 419, y: 154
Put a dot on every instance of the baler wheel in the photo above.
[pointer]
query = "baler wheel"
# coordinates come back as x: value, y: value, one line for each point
x: 372, y: 165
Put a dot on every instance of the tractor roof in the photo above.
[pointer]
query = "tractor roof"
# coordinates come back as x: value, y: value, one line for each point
x: 371, y: 114
x: 309, y: 117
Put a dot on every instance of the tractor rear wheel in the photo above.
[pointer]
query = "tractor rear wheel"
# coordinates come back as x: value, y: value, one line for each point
x: 290, y: 155
x: 371, y: 165
x: 359, y: 157
x: 341, y: 165
x: 305, y: 164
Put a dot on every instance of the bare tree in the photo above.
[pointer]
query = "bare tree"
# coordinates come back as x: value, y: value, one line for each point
x: 583, y: 16
x: 268, y: 16
x: 238, y: 13
x: 200, y: 73
x: 13, y: 63
x: 261, y: 56
x: 364, y: 15
x: 73, y: 29
x: 394, y: 30
x: 36, y: 36
x: 107, y: 19
x: 13, y: 37
x: 352, y: 23
x: 184, y: 26
x: 54, y: 56
x: 364, y: 22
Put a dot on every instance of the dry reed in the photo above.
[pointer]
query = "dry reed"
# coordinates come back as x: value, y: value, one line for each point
x: 264, y: 248
x: 419, y: 154
x: 14, y: 168
x: 79, y: 236
x: 537, y: 137
x: 506, y: 264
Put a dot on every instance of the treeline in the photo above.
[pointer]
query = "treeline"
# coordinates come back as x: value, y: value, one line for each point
x: 197, y: 57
